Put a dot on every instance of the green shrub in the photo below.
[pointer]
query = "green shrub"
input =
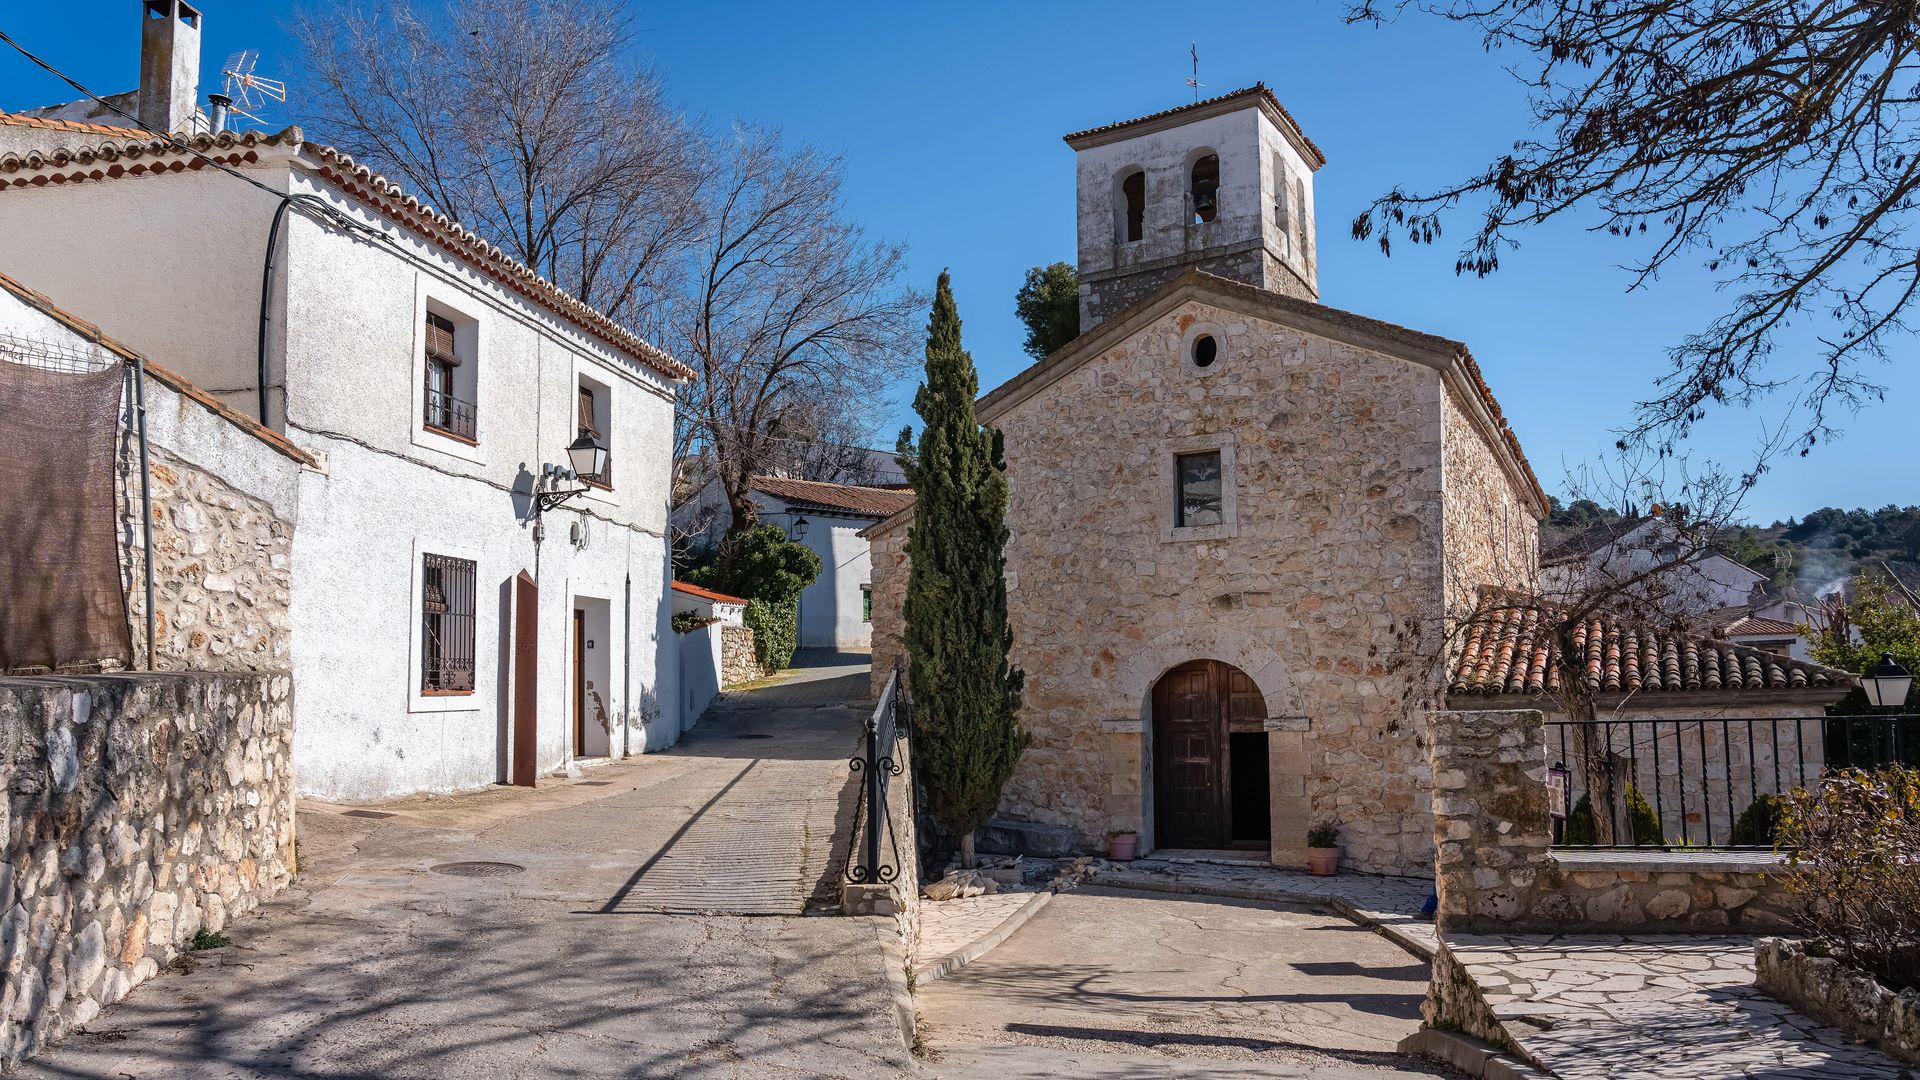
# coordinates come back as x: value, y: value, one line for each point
x: 1756, y: 825
x: 1853, y: 869
x: 1641, y: 827
x: 1325, y: 834
x: 776, y: 631
x: 207, y: 939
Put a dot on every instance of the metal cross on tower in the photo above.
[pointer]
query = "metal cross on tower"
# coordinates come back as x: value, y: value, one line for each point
x: 1193, y: 50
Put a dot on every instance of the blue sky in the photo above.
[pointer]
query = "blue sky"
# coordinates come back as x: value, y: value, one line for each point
x: 950, y: 119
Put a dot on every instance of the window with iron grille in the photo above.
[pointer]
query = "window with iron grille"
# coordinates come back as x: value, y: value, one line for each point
x: 447, y: 410
x: 446, y: 640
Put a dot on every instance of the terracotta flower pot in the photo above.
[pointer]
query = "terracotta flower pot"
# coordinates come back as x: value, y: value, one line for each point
x: 1323, y: 861
x: 1121, y: 846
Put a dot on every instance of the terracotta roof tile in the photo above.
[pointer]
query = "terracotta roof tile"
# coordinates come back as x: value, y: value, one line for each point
x: 1754, y: 624
x: 1257, y: 90
x: 77, y: 126
x: 144, y: 154
x: 706, y: 594
x: 1509, y: 649
x: 844, y: 498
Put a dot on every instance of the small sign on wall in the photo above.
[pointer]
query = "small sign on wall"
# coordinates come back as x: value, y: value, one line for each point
x: 1558, y: 781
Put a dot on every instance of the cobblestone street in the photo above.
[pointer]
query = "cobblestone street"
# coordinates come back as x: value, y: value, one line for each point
x: 376, y: 965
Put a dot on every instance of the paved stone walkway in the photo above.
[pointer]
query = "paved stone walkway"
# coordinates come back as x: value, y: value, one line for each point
x: 1109, y: 983
x: 377, y: 966
x: 1389, y: 904
x: 761, y: 844
x: 950, y: 929
x: 1654, y: 1008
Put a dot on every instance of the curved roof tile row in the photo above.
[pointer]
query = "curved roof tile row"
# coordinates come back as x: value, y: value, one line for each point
x: 1509, y: 649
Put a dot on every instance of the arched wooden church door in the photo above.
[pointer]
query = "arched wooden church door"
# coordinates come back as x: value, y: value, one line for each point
x: 1198, y: 710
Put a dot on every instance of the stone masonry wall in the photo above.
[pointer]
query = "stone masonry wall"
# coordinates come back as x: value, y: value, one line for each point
x: 1496, y: 872
x: 139, y: 809
x: 1847, y: 998
x: 1492, y: 537
x: 738, y: 661
x: 1326, y: 590
x: 889, y: 583
x: 222, y: 570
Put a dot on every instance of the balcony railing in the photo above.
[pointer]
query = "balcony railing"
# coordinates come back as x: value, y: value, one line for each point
x: 450, y: 415
x: 1699, y: 777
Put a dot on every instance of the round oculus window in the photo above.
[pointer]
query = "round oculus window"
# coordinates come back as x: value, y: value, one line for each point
x: 1205, y: 350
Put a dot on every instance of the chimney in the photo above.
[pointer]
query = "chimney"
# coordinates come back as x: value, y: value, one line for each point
x: 169, y: 65
x: 218, y: 106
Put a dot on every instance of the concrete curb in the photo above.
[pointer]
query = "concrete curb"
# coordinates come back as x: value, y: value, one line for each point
x: 894, y: 965
x: 1469, y: 1055
x: 1414, y: 945
x: 980, y: 946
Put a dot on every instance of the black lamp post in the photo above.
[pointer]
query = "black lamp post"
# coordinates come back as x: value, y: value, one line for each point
x: 586, y: 456
x: 1886, y: 683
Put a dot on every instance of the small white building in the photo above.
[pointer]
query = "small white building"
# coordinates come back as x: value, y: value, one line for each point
x: 447, y: 631
x: 836, y: 611
x: 1619, y: 551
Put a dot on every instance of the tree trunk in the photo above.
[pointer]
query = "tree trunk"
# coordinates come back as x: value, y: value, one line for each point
x: 967, y: 858
x: 1576, y: 701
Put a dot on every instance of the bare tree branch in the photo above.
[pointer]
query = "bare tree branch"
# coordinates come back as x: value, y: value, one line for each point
x: 1774, y: 140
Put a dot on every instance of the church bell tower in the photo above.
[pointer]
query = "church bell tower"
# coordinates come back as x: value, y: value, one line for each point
x: 1223, y: 185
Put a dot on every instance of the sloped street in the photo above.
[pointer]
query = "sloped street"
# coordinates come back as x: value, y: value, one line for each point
x: 652, y: 927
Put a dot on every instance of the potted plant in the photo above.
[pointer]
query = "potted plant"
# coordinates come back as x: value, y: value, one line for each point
x: 1323, y: 849
x: 1121, y: 845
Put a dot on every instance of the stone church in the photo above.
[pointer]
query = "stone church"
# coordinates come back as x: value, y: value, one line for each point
x: 1245, y: 525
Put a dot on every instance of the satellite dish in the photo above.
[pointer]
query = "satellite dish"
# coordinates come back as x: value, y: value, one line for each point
x: 248, y: 91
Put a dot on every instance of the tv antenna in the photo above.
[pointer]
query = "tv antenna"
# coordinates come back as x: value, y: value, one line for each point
x: 1193, y: 50
x: 249, y: 92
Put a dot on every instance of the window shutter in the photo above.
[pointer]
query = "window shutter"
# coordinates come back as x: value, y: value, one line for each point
x: 586, y: 410
x: 440, y: 341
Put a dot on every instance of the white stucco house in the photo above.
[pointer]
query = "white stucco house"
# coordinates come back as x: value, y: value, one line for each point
x: 1620, y: 550
x: 449, y: 629
x: 836, y: 611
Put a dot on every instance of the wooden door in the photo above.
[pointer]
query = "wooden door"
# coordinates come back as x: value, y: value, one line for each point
x: 1195, y: 707
x: 1189, y: 755
x: 579, y: 682
x: 526, y: 667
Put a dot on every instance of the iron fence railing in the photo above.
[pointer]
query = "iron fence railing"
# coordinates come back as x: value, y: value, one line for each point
x: 1703, y: 782
x: 874, y: 856
x: 452, y: 415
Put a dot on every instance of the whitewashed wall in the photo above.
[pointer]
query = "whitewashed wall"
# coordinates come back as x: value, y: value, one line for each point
x: 832, y: 610
x: 171, y: 265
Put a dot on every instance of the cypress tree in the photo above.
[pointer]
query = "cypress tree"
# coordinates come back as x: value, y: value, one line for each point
x: 965, y: 693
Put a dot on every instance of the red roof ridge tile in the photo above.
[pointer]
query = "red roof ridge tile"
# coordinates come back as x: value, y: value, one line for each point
x: 706, y: 594
x: 1257, y: 90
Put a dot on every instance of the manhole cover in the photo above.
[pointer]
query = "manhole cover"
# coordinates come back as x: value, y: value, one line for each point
x: 754, y: 735
x: 366, y: 813
x: 596, y: 783
x: 477, y: 869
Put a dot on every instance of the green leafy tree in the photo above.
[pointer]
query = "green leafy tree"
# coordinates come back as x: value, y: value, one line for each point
x: 966, y: 694
x: 770, y: 571
x: 1049, y: 303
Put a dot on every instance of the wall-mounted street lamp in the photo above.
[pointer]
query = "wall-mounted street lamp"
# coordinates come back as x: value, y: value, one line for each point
x: 798, y: 530
x: 1886, y: 683
x: 586, y: 456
